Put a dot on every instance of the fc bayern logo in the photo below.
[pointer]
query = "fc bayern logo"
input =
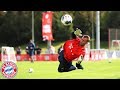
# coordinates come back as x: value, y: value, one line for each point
x: 9, y: 69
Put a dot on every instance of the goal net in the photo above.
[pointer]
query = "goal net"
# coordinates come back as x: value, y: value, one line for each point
x: 8, y: 54
x: 115, y: 44
x: 114, y: 39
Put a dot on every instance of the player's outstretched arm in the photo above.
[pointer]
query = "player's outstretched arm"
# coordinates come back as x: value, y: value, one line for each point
x: 80, y: 59
x: 78, y: 32
x: 78, y: 63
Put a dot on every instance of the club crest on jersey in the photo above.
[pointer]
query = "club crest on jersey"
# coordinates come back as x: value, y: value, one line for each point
x: 9, y: 69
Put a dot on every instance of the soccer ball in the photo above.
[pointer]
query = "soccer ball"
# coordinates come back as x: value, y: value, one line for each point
x: 66, y: 19
x: 30, y: 70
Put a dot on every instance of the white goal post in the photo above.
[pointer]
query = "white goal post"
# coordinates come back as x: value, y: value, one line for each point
x: 116, y: 44
x: 8, y: 54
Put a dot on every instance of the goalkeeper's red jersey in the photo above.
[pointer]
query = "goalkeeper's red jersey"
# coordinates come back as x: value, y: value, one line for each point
x: 72, y: 49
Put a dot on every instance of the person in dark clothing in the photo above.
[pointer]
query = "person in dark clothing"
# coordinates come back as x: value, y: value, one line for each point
x: 26, y: 50
x: 31, y: 49
x: 60, y: 49
x: 73, y: 49
x: 18, y: 50
x: 18, y: 53
x: 38, y: 50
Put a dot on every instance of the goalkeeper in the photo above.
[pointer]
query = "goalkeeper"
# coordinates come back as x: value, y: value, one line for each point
x: 73, y: 49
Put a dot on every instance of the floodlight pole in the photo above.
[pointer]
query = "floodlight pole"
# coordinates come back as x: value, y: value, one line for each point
x: 33, y: 26
x: 97, y: 29
x: 92, y: 30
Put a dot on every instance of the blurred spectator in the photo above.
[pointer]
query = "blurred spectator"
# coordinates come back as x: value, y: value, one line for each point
x: 50, y: 50
x: 31, y: 49
x: 18, y: 53
x: 18, y: 50
x: 60, y: 49
x: 4, y: 52
x: 26, y: 50
x: 0, y: 50
x: 38, y: 50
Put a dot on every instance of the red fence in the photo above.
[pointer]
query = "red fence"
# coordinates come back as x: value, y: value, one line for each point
x: 42, y: 57
x: 93, y: 55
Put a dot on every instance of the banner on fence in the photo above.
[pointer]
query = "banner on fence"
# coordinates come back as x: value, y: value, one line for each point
x: 93, y: 55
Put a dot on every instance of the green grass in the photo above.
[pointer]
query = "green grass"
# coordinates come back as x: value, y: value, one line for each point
x: 48, y: 70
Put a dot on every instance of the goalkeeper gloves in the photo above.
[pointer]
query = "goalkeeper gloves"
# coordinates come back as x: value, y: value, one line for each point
x: 80, y: 59
x: 78, y: 32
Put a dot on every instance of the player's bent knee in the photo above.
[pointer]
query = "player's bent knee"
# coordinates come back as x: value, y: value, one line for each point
x: 72, y: 68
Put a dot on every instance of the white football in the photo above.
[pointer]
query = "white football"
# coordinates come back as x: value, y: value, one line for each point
x: 30, y: 70
x: 66, y: 19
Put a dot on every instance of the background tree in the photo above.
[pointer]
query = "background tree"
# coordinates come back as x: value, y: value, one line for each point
x: 16, y: 26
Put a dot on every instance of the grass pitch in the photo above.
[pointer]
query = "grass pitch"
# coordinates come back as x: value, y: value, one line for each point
x: 48, y: 70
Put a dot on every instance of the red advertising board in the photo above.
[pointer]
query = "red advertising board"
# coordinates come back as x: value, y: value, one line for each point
x: 41, y: 57
x: 47, y: 25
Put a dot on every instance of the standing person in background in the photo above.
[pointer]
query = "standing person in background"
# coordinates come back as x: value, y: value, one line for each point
x: 26, y: 50
x: 38, y: 50
x: 60, y: 49
x: 18, y: 50
x: 27, y: 53
x: 18, y: 53
x: 50, y: 50
x: 4, y: 52
x: 31, y: 49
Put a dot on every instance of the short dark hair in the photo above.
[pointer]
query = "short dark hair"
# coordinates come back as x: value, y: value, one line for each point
x: 76, y: 26
x: 73, y: 35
